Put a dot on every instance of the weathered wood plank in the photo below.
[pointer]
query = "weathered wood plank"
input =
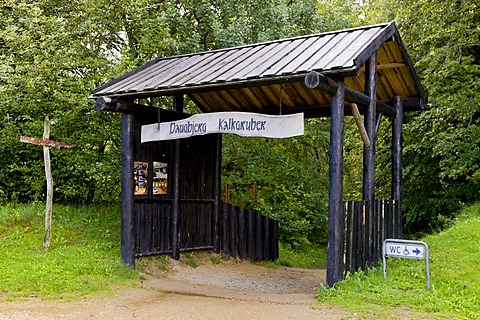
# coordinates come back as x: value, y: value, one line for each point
x: 242, y: 239
x: 46, y: 142
x: 225, y: 227
x: 258, y: 237
x: 233, y: 231
x: 250, y: 234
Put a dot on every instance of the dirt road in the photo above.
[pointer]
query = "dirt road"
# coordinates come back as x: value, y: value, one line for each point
x: 229, y: 290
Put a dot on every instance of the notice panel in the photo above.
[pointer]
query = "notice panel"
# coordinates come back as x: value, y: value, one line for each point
x: 241, y: 123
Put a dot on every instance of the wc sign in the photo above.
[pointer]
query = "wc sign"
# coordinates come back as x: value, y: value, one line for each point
x: 407, y: 249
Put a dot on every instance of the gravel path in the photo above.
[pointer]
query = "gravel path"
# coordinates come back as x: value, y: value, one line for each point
x: 228, y: 290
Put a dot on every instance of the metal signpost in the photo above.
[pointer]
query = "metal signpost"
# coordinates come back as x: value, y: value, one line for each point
x: 407, y: 249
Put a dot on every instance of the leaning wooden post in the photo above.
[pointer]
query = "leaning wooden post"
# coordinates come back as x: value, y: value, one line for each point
x: 46, y: 143
x: 48, y: 175
x: 128, y: 186
x: 176, y: 210
x: 369, y: 157
x: 336, y: 220
x: 397, y: 159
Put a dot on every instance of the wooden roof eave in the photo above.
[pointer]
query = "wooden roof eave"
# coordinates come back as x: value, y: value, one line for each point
x: 391, y: 34
x: 211, y: 87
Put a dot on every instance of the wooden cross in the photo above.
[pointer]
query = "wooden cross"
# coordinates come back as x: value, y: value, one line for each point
x: 46, y: 143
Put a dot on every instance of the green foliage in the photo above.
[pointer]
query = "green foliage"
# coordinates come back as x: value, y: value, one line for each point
x: 455, y: 282
x: 441, y: 154
x: 54, y: 53
x: 191, y: 260
x: 291, y: 177
x: 83, y: 258
x: 51, y: 58
x: 312, y: 256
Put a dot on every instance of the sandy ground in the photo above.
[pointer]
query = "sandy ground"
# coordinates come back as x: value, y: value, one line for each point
x: 229, y: 290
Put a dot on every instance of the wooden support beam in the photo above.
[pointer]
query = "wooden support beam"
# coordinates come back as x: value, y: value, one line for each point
x: 217, y: 186
x: 397, y: 147
x: 140, y: 110
x: 128, y: 186
x: 370, y: 119
x: 336, y: 219
x: 369, y: 158
x: 176, y: 210
x: 385, y: 66
x: 360, y: 126
x: 315, y: 80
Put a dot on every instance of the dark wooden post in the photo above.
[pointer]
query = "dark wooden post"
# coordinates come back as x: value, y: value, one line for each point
x: 370, y: 117
x: 176, y: 212
x: 397, y: 159
x: 336, y: 219
x: 369, y: 156
x: 128, y: 254
x: 216, y: 194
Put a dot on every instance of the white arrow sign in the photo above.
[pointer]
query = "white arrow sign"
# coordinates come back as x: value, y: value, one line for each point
x: 409, y: 249
x: 402, y: 250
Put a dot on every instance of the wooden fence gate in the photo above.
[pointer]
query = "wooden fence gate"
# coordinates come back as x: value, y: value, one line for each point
x: 242, y: 233
x: 366, y: 226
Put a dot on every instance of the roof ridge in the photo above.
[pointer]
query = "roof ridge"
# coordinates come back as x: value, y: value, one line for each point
x: 385, y: 24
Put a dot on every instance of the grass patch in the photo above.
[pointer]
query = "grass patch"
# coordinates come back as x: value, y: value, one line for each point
x: 455, y: 293
x: 83, y: 258
x: 308, y: 256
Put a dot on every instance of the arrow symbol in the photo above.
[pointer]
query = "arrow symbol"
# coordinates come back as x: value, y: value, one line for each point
x: 417, y: 251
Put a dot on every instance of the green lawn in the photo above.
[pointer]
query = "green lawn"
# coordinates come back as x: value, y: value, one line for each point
x: 83, y: 259
x: 85, y: 250
x: 455, y: 277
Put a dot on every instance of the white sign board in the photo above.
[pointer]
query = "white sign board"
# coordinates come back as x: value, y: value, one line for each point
x: 408, y: 249
x: 403, y: 250
x: 241, y: 123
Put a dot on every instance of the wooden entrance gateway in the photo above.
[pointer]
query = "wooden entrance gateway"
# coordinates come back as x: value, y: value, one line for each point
x: 176, y: 188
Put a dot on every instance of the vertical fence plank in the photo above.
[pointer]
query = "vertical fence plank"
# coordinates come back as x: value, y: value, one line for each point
x: 377, y: 233
x: 258, y: 238
x: 275, y: 252
x: 266, y: 238
x: 349, y: 241
x: 242, y: 239
x: 397, y: 204
x: 365, y: 231
x: 233, y: 231
x: 358, y: 214
x: 250, y: 235
x: 225, y: 228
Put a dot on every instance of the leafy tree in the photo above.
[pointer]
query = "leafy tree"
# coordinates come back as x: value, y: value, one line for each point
x: 51, y: 57
x: 54, y: 53
x: 442, y: 158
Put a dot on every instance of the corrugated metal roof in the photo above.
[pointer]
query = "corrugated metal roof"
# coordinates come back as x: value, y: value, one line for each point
x: 259, y: 77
